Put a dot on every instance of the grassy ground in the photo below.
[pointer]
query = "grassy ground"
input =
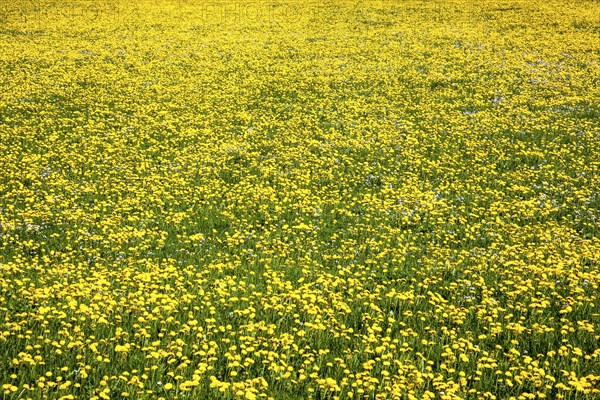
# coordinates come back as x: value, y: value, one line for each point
x: 295, y: 200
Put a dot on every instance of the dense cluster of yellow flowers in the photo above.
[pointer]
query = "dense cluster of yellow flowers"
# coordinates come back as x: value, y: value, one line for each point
x: 286, y: 199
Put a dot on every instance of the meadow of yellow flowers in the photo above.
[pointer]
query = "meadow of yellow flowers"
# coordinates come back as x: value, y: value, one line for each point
x: 300, y: 200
